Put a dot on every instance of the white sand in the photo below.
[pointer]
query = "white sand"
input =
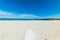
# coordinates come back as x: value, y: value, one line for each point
x: 15, y: 30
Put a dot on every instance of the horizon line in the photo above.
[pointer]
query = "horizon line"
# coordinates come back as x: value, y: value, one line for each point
x: 29, y: 19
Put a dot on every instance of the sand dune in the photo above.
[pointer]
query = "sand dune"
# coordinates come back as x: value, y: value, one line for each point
x: 15, y: 30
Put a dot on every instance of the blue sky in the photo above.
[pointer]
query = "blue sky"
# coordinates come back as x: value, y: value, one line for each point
x: 37, y: 8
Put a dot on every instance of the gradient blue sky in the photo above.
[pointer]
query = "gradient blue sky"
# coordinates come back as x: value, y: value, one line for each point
x: 35, y: 7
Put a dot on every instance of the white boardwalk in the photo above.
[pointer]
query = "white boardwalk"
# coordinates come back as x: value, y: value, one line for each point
x: 29, y: 35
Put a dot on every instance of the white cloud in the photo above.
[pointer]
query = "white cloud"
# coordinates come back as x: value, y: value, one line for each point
x: 29, y: 16
x: 54, y: 16
x: 4, y: 14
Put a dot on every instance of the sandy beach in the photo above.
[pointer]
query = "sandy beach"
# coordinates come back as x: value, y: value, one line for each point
x: 15, y: 30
